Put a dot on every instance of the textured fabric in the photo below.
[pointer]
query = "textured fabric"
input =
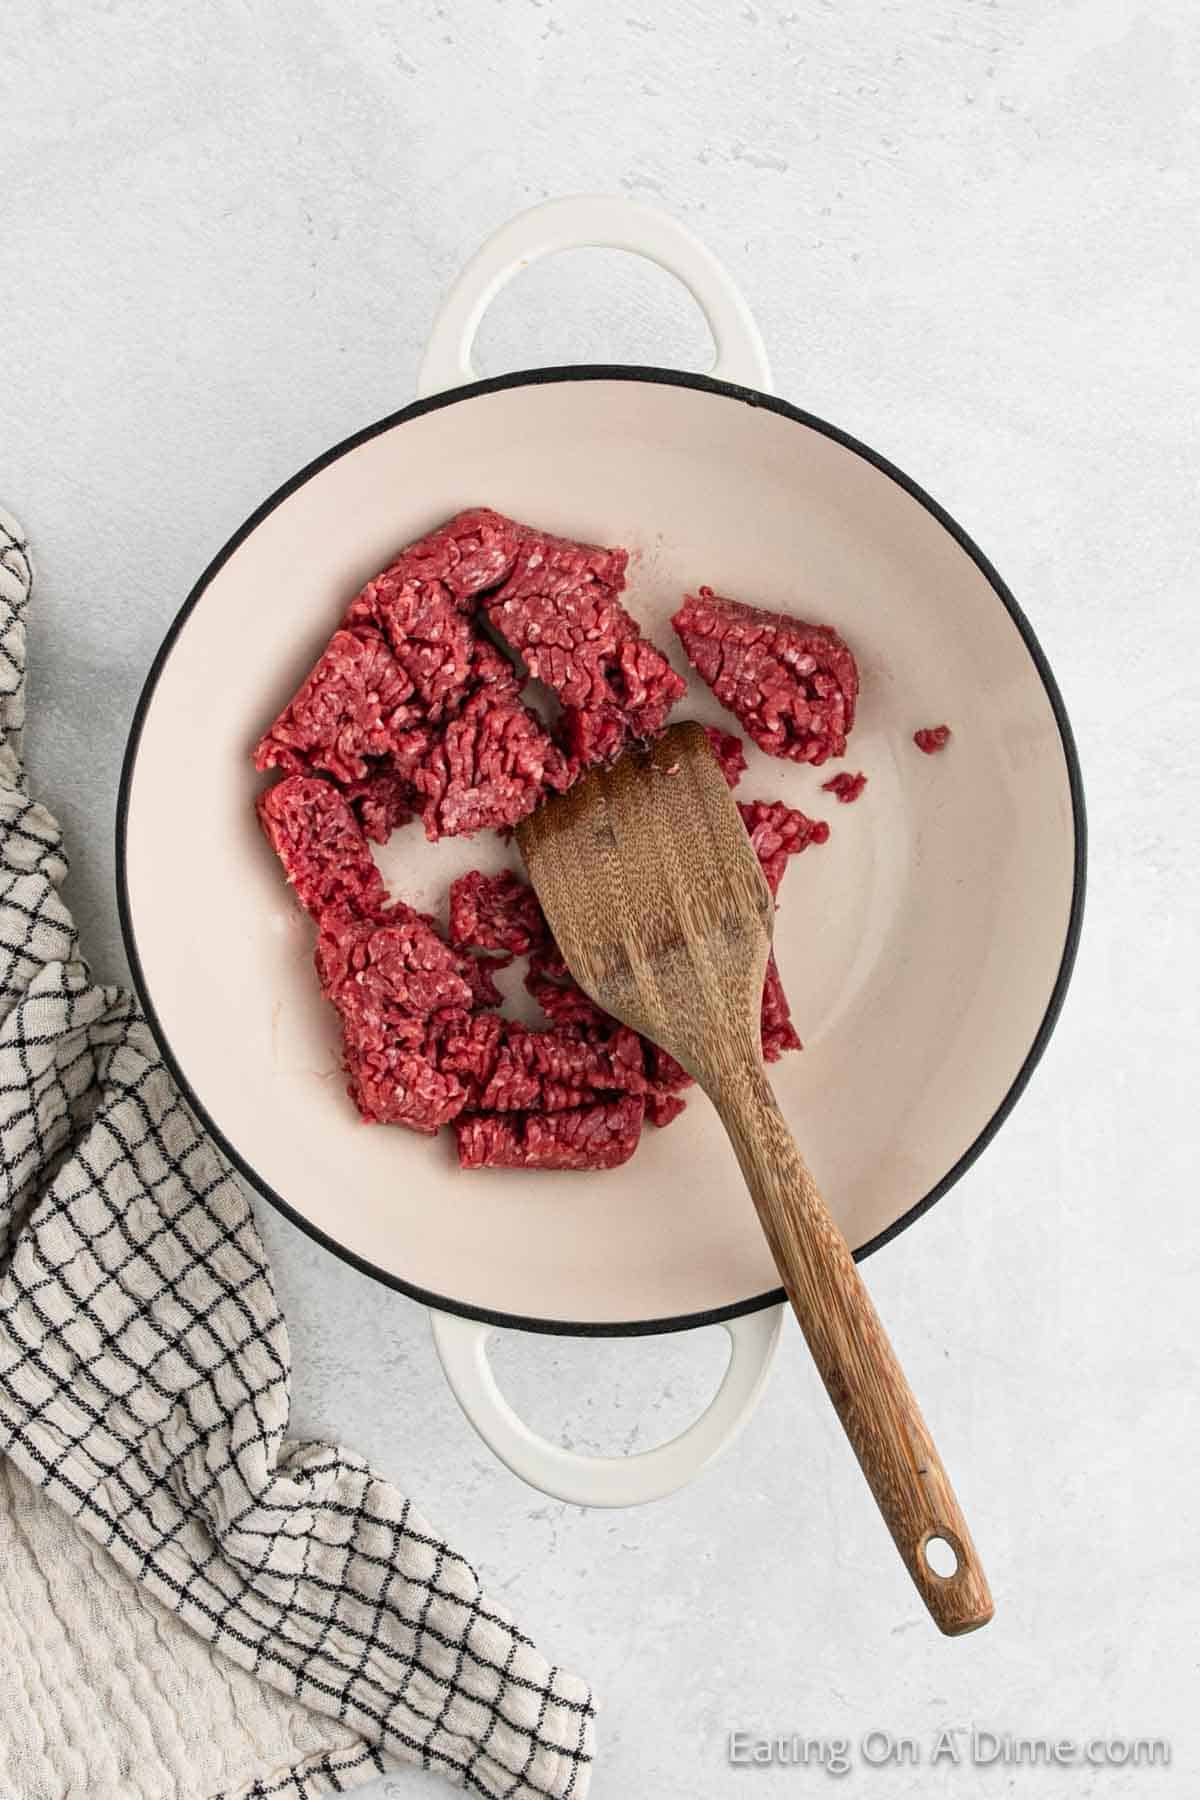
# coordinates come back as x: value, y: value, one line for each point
x: 144, y: 1379
x: 107, y: 1695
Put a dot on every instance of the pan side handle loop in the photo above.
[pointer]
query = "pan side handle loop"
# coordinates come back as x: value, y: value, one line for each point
x: 580, y: 222
x: 605, y: 1480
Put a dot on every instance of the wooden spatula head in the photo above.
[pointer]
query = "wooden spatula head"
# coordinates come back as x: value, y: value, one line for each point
x: 656, y: 898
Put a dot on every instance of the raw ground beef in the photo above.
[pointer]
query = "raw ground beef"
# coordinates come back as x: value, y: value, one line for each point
x: 793, y: 687
x: 663, y: 1109
x: 507, y: 1067
x: 490, y: 767
x: 382, y: 801
x: 667, y: 1079
x: 388, y: 979
x: 560, y: 611
x: 346, y: 712
x: 411, y: 710
x: 567, y: 1006
x: 729, y: 751
x: 393, y: 966
x: 393, y: 1084
x: 847, y: 787
x: 932, y: 738
x: 325, y: 856
x: 496, y: 912
x: 590, y: 1137
x: 548, y: 1071
x: 420, y: 1041
x: 479, y: 973
x: 431, y: 639
x: 777, y: 832
x: 471, y: 553
x: 778, y: 1032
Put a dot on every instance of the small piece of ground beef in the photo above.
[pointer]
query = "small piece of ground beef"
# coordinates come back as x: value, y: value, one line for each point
x: 479, y: 972
x: 778, y: 832
x: 547, y: 1071
x: 320, y: 843
x: 392, y: 1085
x: 472, y: 552
x: 377, y: 971
x: 490, y: 767
x: 932, y: 738
x: 467, y: 1046
x: 729, y: 751
x: 408, y: 754
x: 509, y: 1067
x: 663, y: 1109
x: 778, y: 1032
x: 618, y: 1057
x: 346, y: 711
x: 588, y: 1137
x: 496, y: 912
x: 559, y: 609
x: 664, y: 1071
x: 387, y: 978
x: 432, y: 641
x: 382, y: 801
x: 667, y: 1079
x: 847, y: 787
x: 792, y: 686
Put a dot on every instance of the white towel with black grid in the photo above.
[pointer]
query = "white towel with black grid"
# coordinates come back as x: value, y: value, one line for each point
x: 191, y: 1604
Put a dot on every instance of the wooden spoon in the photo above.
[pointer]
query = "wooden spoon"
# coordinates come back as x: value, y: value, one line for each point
x: 655, y: 895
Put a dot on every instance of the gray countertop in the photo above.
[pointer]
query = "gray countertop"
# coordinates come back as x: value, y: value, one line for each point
x: 967, y: 231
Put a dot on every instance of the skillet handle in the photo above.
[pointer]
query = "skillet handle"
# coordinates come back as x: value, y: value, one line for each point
x: 605, y: 1480
x: 579, y: 222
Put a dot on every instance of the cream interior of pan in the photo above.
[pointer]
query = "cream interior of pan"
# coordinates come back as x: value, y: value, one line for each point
x: 919, y: 947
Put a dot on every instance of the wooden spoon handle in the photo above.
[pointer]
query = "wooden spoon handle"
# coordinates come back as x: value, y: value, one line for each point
x: 856, y: 1360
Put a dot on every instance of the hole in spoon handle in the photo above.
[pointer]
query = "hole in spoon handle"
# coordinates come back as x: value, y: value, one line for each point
x: 951, y: 1583
x: 941, y: 1555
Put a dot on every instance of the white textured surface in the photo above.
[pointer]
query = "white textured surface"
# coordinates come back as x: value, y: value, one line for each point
x: 968, y: 232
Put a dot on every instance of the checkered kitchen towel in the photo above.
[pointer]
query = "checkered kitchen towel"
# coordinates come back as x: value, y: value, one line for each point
x: 144, y: 1379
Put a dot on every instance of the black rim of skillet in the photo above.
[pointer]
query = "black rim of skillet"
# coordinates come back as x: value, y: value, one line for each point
x: 750, y: 397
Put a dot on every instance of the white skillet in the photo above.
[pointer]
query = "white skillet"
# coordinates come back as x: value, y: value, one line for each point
x: 926, y: 947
